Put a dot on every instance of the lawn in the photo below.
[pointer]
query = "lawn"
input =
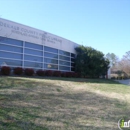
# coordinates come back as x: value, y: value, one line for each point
x: 62, y: 104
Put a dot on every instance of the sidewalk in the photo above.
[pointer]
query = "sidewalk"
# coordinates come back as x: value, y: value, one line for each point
x: 126, y: 81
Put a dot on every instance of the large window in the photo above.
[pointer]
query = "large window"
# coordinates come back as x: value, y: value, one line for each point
x: 11, y: 41
x: 33, y: 58
x: 33, y: 52
x: 72, y: 64
x: 72, y: 55
x: 64, y: 58
x: 64, y: 53
x: 34, y: 46
x: 72, y: 60
x: 50, y: 55
x: 11, y: 52
x: 64, y: 63
x: 49, y: 49
x: 72, y: 69
x: 32, y: 64
x: 46, y: 60
x: 10, y: 55
x: 9, y: 62
x: 51, y: 66
x: 11, y: 48
x: 64, y: 68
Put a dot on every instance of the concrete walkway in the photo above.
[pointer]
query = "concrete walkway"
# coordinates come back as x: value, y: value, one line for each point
x: 126, y: 81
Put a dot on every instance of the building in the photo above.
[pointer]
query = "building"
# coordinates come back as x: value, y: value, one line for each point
x: 27, y: 47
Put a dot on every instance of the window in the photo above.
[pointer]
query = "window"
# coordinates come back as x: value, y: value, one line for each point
x: 72, y: 69
x: 64, y: 63
x: 49, y: 49
x: 10, y: 62
x: 50, y: 55
x: 64, y: 58
x: 34, y: 46
x: 72, y: 64
x: 72, y: 60
x: 64, y: 68
x: 33, y: 58
x: 33, y: 52
x: 50, y: 66
x: 11, y: 48
x: 50, y: 61
x: 72, y: 55
x: 64, y: 53
x: 32, y: 64
x: 10, y: 55
x: 11, y: 41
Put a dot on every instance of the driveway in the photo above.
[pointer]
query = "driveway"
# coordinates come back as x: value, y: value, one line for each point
x: 126, y: 81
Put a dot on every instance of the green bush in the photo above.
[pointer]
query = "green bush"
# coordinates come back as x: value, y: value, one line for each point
x: 29, y: 72
x: 57, y: 73
x: 5, y: 70
x: 18, y: 71
x: 40, y: 72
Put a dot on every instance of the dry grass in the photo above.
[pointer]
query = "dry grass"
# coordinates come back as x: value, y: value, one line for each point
x: 62, y: 104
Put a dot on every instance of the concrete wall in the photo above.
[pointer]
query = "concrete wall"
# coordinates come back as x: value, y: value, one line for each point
x: 21, y: 32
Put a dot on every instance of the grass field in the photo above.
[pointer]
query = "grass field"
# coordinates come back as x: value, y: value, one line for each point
x: 62, y: 104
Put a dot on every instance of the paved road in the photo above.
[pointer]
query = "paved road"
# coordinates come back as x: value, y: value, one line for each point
x: 126, y: 81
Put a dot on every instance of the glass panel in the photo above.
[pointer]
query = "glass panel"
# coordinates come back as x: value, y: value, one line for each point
x: 64, y: 68
x: 33, y: 58
x: 72, y: 55
x: 50, y: 66
x: 32, y: 64
x: 10, y: 62
x: 11, y: 41
x: 49, y: 49
x: 72, y: 64
x: 64, y: 63
x: 50, y: 61
x: 64, y: 53
x: 50, y: 55
x: 72, y: 69
x: 11, y: 55
x: 32, y: 45
x: 72, y: 59
x: 11, y: 48
x: 33, y: 52
x: 64, y: 58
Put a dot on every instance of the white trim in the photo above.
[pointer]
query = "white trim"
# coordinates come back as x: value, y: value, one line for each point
x: 51, y: 52
x: 50, y: 58
x: 33, y: 61
x: 11, y: 59
x: 11, y: 52
x: 32, y: 49
x: 50, y: 63
x: 10, y: 45
x: 23, y: 54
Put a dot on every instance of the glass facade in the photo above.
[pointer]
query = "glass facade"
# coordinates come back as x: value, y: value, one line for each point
x: 17, y: 53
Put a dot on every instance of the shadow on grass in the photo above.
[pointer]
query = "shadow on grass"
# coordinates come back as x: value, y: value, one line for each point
x: 84, y: 80
x: 107, y: 81
x: 55, y: 110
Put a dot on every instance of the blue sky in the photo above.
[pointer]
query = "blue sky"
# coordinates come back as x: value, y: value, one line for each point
x: 101, y: 24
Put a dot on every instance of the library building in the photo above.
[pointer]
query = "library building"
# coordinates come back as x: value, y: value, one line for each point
x: 27, y: 47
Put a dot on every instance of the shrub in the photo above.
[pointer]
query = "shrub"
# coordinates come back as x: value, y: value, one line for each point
x: 40, y: 72
x: 48, y: 72
x: 29, y: 71
x: 68, y: 74
x: 73, y: 74
x: 113, y: 77
x: 63, y: 74
x: 57, y: 73
x: 5, y: 70
x: 18, y: 71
